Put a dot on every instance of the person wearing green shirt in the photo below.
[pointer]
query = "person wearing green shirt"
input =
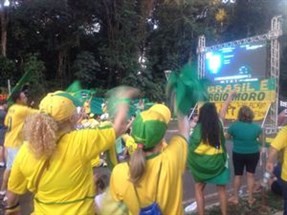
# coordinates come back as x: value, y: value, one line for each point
x: 245, y: 152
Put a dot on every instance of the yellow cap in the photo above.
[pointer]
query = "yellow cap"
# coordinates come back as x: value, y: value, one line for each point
x: 59, y: 105
x: 163, y: 110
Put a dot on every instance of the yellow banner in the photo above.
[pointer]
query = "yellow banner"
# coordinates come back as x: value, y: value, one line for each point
x: 259, y: 91
x: 259, y: 108
x: 253, y: 97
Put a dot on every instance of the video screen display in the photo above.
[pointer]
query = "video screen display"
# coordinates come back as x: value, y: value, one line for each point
x: 239, y: 63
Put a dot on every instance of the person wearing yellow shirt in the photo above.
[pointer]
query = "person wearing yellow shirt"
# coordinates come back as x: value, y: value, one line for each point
x: 277, y: 145
x: 14, y: 121
x: 152, y: 175
x: 54, y: 163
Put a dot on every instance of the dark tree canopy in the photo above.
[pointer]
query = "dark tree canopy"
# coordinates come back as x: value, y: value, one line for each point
x: 106, y: 43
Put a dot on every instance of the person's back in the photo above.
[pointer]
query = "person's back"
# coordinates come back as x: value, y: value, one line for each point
x: 160, y: 180
x: 245, y: 152
x: 169, y: 190
x: 66, y: 183
x: 55, y: 161
x: 207, y: 158
x: 14, y: 121
x: 245, y: 136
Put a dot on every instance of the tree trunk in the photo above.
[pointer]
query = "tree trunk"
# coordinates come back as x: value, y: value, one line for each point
x: 62, y: 64
x: 4, y: 21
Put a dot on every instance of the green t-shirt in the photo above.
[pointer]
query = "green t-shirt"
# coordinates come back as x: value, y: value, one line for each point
x: 245, y: 136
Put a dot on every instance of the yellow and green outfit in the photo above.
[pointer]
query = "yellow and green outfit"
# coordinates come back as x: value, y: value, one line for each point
x: 66, y: 185
x: 207, y: 163
x: 169, y: 193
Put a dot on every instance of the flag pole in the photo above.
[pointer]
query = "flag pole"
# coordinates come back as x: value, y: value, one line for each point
x: 9, y: 86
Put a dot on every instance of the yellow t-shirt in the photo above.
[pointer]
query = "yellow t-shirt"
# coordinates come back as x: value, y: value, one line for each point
x: 67, y: 186
x: 14, y: 121
x: 280, y: 143
x: 169, y: 191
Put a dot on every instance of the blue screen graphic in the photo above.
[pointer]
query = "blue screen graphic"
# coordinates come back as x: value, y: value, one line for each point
x: 240, y: 63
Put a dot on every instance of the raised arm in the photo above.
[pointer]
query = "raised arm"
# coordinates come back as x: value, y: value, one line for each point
x: 183, y: 125
x: 122, y: 106
x: 224, y: 108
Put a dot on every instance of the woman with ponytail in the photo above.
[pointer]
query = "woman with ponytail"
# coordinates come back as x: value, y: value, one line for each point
x: 54, y: 162
x: 153, y: 174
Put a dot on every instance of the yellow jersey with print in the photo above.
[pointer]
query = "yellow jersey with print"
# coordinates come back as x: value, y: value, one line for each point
x: 169, y: 190
x: 14, y: 122
x: 66, y: 185
x: 280, y: 143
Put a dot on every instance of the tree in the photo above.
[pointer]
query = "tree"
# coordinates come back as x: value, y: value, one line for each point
x: 36, y: 69
x: 85, y: 69
x: 46, y: 27
x: 8, y: 71
x: 126, y: 42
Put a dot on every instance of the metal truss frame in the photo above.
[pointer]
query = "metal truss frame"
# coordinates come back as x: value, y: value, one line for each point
x: 273, y: 36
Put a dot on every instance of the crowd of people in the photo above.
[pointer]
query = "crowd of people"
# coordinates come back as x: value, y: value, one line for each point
x: 51, y: 152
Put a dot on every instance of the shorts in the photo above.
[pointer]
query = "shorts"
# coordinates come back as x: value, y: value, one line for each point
x: 11, y: 155
x: 248, y: 161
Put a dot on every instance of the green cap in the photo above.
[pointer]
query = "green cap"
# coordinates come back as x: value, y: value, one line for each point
x: 149, y: 126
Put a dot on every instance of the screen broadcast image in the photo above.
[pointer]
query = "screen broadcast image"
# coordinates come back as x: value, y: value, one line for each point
x: 239, y: 63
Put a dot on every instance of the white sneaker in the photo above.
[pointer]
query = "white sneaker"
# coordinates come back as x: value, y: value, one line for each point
x: 2, y: 164
x: 190, y: 208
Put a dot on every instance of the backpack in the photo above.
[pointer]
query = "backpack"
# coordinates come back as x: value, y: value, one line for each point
x: 153, y: 208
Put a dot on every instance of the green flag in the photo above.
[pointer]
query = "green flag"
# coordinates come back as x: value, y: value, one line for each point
x: 24, y: 80
x: 187, y: 87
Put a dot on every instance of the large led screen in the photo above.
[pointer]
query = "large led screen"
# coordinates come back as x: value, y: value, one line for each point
x: 239, y: 63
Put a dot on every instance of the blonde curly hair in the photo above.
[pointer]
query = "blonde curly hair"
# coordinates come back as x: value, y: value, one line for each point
x: 40, y: 130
